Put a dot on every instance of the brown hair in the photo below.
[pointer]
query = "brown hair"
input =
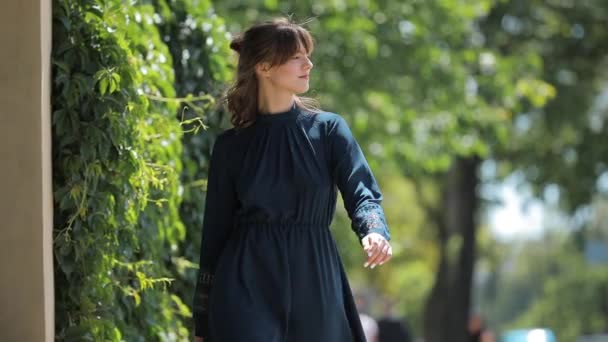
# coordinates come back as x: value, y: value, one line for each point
x: 274, y: 42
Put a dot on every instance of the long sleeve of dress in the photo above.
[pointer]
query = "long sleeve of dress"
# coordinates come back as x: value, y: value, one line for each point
x: 220, y: 205
x: 355, y: 180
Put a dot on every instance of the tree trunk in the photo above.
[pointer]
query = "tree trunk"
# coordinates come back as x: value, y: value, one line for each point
x: 448, y: 305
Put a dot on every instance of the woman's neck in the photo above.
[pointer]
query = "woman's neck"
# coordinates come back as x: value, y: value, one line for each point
x: 275, y: 104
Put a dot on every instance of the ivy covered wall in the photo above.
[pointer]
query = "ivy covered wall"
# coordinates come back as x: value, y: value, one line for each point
x: 135, y: 88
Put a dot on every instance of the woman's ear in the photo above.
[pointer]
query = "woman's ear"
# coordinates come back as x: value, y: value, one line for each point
x: 263, y: 69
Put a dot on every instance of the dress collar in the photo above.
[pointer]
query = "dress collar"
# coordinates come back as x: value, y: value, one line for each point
x: 270, y: 117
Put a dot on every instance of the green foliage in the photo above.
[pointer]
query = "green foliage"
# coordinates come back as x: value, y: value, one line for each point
x: 561, y: 147
x: 547, y: 283
x: 199, y: 46
x: 562, y: 144
x: 572, y: 304
x: 122, y: 163
x: 117, y: 161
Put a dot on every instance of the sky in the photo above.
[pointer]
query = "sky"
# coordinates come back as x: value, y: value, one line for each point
x: 514, y: 219
x: 520, y: 216
x: 516, y: 214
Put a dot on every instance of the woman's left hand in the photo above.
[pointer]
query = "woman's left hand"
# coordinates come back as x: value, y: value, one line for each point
x: 377, y: 248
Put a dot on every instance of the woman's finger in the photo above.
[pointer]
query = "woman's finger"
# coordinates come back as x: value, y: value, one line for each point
x: 377, y: 254
x: 385, y: 254
x: 370, y: 244
x: 377, y: 249
x: 372, y: 250
x: 367, y: 243
x: 370, y: 255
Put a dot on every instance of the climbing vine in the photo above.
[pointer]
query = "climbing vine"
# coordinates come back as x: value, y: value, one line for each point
x: 120, y: 143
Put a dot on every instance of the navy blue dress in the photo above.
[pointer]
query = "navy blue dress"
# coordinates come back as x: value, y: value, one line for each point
x: 269, y: 267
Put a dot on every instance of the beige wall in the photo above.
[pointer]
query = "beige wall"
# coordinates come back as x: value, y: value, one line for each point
x: 26, y: 260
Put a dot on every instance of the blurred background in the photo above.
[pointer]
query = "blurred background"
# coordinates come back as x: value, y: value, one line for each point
x: 484, y: 122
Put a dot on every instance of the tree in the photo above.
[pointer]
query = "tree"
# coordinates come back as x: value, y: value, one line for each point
x: 562, y: 144
x: 560, y: 148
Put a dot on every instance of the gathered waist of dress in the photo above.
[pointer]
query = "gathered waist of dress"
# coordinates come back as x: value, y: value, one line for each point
x: 249, y: 224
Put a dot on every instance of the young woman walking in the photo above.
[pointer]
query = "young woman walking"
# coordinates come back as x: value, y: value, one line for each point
x: 269, y: 267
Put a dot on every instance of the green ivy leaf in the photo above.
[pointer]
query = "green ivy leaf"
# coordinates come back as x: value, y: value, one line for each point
x: 103, y: 86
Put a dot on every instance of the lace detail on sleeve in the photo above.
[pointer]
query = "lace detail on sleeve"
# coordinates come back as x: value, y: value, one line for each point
x: 202, y: 294
x: 370, y: 219
x: 201, y: 303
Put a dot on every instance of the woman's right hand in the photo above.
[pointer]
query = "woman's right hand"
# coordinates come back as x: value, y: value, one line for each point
x: 198, y: 339
x: 378, y: 250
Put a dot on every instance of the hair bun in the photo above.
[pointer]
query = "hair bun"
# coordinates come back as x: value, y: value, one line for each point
x: 236, y: 44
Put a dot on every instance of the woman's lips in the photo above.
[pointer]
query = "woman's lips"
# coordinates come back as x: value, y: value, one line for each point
x: 304, y: 77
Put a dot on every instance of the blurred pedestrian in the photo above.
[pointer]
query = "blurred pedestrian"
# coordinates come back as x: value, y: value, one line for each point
x: 392, y: 328
x: 370, y: 327
x: 478, y: 331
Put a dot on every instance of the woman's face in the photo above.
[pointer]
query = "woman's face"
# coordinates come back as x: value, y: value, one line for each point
x: 293, y: 75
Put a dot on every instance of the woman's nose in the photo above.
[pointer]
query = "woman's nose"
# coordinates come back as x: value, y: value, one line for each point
x: 309, y: 64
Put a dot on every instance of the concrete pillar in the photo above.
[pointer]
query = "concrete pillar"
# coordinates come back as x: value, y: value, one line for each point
x: 26, y: 207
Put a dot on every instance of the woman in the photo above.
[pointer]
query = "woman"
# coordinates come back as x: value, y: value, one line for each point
x: 269, y: 267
